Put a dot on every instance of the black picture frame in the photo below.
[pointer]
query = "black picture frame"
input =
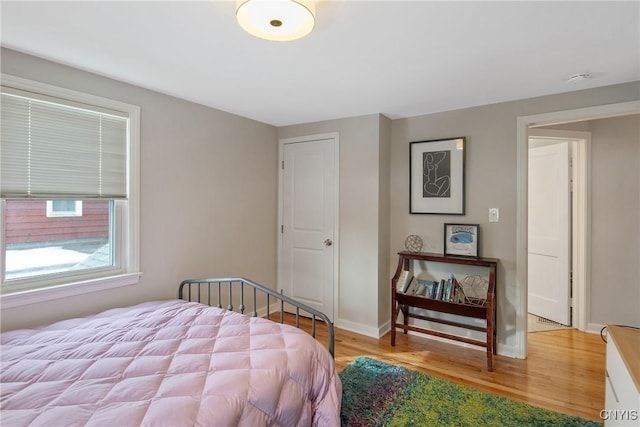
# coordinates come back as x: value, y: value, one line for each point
x: 462, y: 239
x: 437, y: 176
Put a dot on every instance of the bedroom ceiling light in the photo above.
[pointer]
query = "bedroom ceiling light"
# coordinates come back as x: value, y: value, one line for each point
x: 276, y: 20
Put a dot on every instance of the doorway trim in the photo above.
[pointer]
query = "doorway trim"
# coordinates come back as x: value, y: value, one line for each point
x: 522, y: 158
x: 335, y: 136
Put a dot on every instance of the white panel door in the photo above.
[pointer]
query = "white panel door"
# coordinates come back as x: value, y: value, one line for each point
x: 550, y: 232
x: 309, y: 200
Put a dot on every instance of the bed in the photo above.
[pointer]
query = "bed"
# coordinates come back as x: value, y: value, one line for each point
x: 188, y: 361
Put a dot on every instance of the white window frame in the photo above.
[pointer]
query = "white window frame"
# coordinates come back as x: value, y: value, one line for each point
x: 52, y: 213
x: 127, y: 214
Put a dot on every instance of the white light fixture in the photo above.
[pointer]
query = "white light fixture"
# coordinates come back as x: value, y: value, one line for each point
x: 276, y: 20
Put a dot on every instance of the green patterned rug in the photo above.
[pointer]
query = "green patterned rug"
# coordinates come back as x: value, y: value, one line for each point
x: 378, y: 394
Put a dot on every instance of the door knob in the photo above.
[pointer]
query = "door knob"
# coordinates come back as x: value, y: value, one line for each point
x: 328, y: 242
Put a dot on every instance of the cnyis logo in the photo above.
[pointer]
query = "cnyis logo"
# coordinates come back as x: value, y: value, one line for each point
x: 619, y: 415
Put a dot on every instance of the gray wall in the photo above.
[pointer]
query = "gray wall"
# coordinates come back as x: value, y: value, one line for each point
x: 490, y: 182
x: 363, y: 217
x: 615, y: 209
x: 615, y: 219
x: 197, y: 217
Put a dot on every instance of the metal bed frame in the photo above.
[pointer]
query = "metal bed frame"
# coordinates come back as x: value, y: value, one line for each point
x: 200, y: 290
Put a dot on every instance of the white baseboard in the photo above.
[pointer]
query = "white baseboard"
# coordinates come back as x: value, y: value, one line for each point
x: 273, y: 308
x: 386, y: 327
x: 358, y: 328
x: 441, y: 339
x: 347, y: 325
x: 379, y: 332
x: 594, y: 328
x: 507, y: 350
x: 262, y: 311
x: 501, y: 349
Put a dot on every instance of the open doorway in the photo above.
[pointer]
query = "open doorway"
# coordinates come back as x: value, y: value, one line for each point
x: 524, y: 125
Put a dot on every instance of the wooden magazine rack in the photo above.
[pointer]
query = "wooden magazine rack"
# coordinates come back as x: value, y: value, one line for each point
x: 401, y: 302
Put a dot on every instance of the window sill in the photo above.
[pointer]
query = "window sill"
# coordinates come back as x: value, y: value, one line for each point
x: 63, y: 291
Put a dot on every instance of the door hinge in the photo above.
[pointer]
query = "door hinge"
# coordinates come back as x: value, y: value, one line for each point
x: 283, y: 165
x: 282, y: 229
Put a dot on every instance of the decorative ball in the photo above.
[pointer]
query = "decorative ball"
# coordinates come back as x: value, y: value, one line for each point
x: 413, y: 243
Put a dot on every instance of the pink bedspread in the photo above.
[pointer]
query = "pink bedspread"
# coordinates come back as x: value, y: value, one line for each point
x: 167, y: 363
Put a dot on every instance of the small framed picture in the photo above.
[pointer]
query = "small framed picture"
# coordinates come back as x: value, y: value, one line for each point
x: 461, y: 239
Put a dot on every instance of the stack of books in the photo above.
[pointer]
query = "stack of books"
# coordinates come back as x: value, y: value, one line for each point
x: 444, y: 290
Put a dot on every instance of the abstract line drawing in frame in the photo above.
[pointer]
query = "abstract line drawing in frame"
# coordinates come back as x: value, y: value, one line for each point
x: 461, y: 239
x: 436, y: 176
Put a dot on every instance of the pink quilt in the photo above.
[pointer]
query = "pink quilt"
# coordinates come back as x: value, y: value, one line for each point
x: 167, y: 363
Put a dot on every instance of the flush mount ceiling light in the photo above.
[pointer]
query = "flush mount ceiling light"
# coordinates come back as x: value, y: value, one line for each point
x: 276, y: 20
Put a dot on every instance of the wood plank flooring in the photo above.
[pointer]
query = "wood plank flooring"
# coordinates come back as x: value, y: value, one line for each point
x: 564, y: 370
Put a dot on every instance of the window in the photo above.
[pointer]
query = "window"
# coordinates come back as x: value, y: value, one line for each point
x: 69, y: 192
x: 38, y: 244
x: 58, y: 208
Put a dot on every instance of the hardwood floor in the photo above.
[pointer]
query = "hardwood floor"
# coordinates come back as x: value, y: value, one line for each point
x: 564, y: 371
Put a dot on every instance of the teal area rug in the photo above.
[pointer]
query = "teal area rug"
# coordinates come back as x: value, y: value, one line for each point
x: 378, y: 394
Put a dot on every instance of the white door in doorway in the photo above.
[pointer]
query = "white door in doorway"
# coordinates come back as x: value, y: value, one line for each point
x: 549, y: 254
x: 309, y: 200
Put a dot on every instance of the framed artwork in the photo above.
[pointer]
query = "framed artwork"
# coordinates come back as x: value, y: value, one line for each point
x: 436, y: 176
x: 461, y: 239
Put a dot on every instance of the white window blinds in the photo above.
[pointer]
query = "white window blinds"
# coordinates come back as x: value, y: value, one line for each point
x: 57, y: 149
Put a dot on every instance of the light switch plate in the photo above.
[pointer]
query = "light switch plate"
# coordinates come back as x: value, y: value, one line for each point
x: 494, y: 215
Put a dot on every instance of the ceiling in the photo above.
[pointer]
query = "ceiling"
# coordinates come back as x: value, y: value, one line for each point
x: 398, y: 58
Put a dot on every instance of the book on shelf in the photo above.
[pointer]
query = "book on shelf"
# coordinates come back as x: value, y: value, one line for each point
x: 447, y: 290
x: 451, y: 289
x: 460, y: 295
x: 421, y: 289
x: 430, y: 285
x: 441, y: 289
x: 403, y: 281
x: 413, y: 285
